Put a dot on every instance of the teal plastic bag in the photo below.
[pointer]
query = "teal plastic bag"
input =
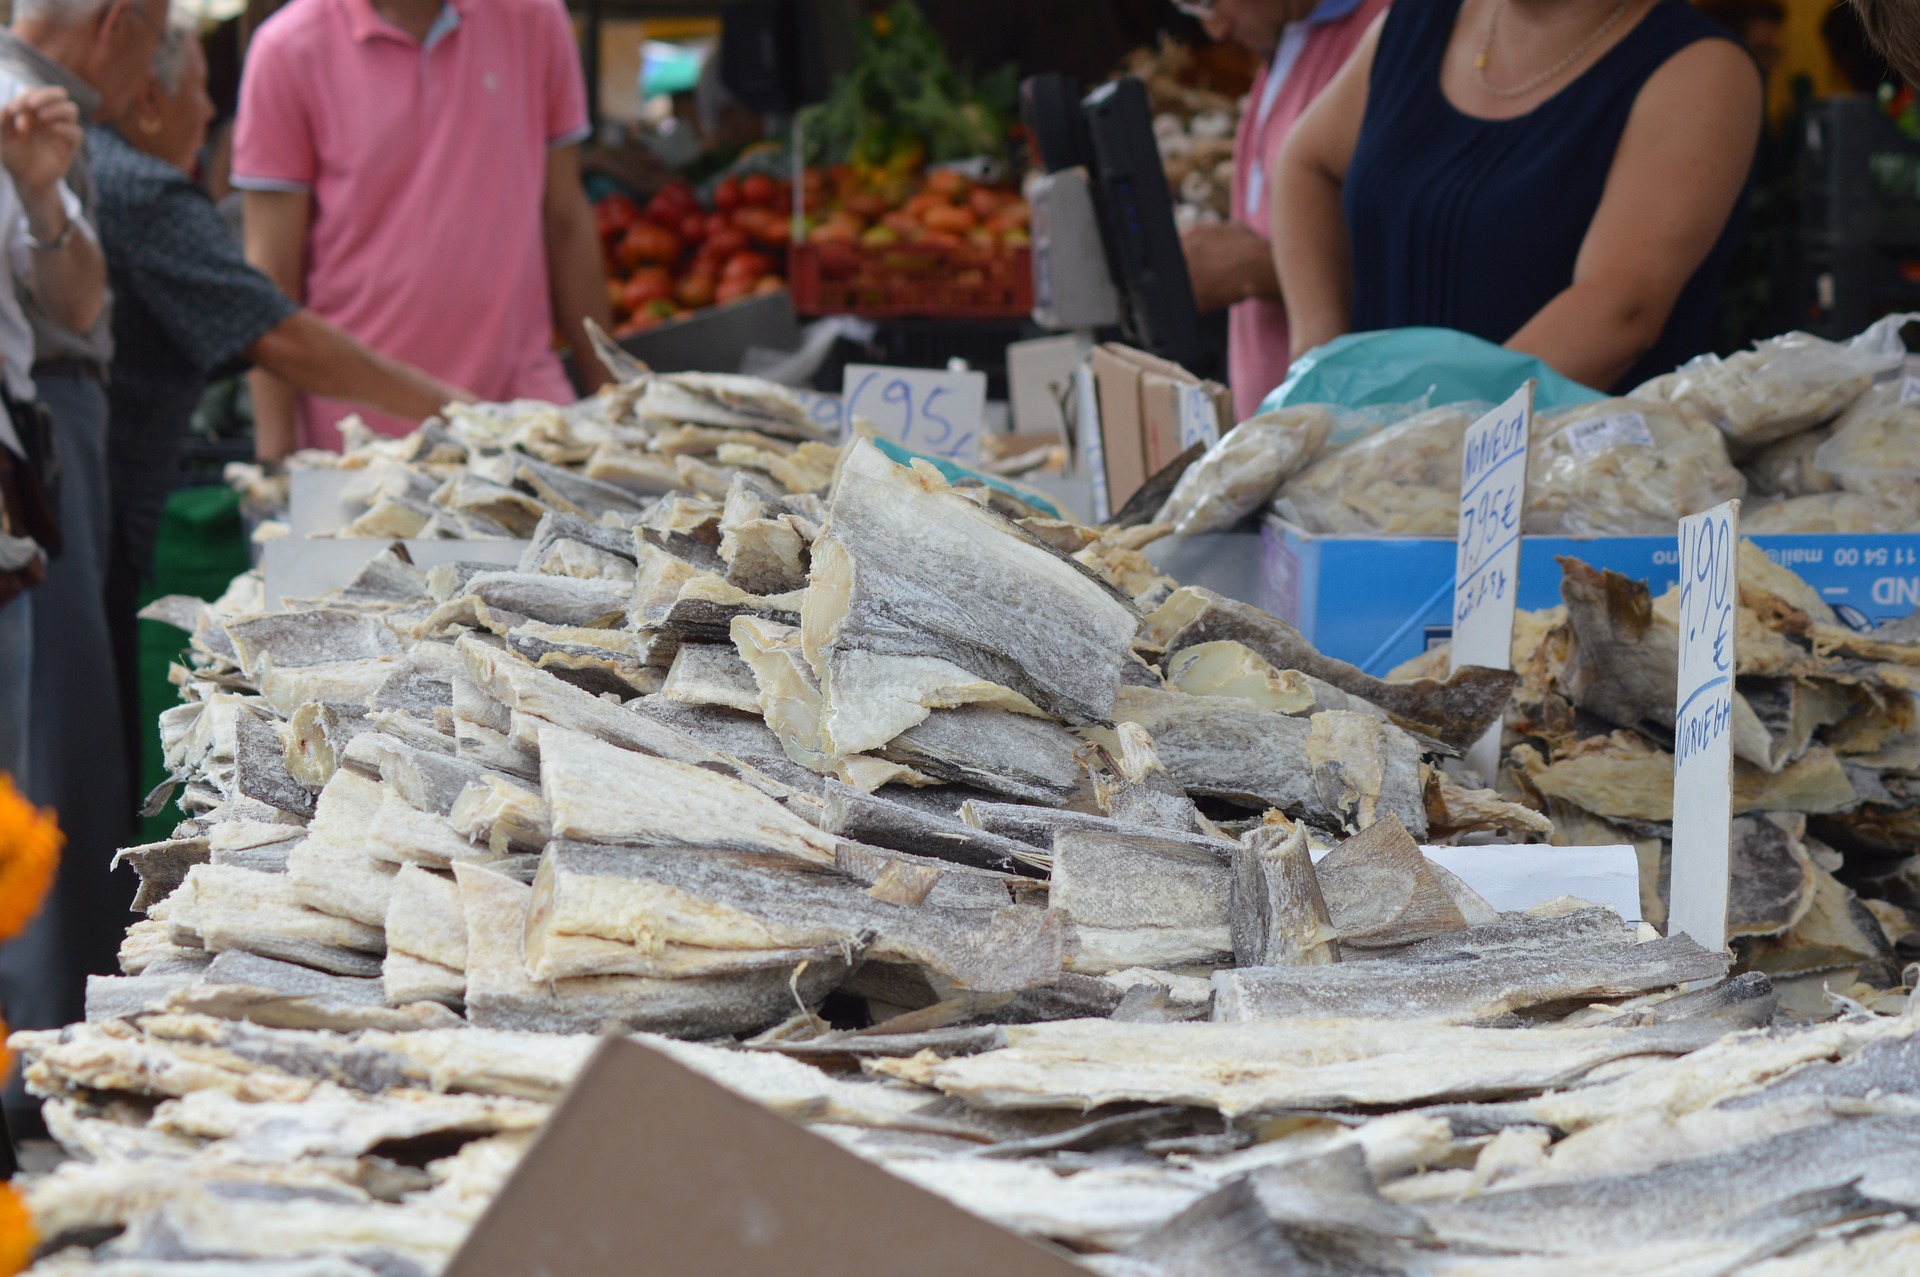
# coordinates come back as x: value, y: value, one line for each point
x: 1400, y: 365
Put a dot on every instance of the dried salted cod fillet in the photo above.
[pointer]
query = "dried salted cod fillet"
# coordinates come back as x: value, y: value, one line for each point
x: 259, y: 913
x: 402, y: 834
x: 1640, y: 787
x: 1148, y: 899
x: 1836, y: 931
x: 920, y: 598
x: 1228, y: 668
x: 330, y: 1121
x: 407, y: 980
x: 162, y: 867
x: 1692, y: 1198
x: 712, y: 674
x: 1474, y: 975
x: 1226, y: 749
x: 534, y: 1066
x: 659, y: 902
x: 1142, y: 792
x: 1366, y: 771
x: 788, y: 699
x: 1098, y: 1208
x: 427, y: 778
x: 317, y: 739
x: 320, y: 637
x: 424, y: 918
x: 1456, y: 710
x: 1241, y: 1069
x: 501, y: 995
x: 728, y: 401
x: 241, y: 986
x: 556, y: 600
x: 763, y: 542
x: 116, y: 1057
x: 883, y: 822
x: 1276, y: 915
x: 1380, y: 891
x: 286, y: 689
x: 501, y: 816
x: 260, y: 766
x: 1026, y: 758
x: 558, y: 528
x: 596, y: 792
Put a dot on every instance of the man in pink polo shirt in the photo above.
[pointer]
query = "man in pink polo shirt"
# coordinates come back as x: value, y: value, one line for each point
x: 1303, y: 42
x: 411, y: 171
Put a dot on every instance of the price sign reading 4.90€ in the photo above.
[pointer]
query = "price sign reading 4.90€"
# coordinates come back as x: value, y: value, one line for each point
x: 1486, y: 567
x: 1703, y: 725
x: 940, y: 414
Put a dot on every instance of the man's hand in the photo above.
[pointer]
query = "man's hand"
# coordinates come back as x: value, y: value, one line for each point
x: 39, y: 136
x: 1228, y: 262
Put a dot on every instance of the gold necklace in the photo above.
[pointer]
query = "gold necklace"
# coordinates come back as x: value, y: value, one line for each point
x: 1552, y: 72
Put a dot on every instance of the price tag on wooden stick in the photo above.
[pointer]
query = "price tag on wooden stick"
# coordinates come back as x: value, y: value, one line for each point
x: 940, y: 414
x: 1703, y: 726
x: 1486, y: 570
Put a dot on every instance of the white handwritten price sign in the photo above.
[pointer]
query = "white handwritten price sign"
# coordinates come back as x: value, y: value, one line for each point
x: 826, y: 411
x: 1486, y: 564
x: 937, y: 413
x: 1199, y: 418
x: 1703, y: 725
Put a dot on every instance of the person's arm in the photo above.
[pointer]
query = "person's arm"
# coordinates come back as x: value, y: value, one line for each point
x: 574, y: 267
x: 39, y: 136
x: 1311, y: 253
x: 1676, y: 175
x: 1228, y: 262
x: 310, y: 355
x: 276, y: 246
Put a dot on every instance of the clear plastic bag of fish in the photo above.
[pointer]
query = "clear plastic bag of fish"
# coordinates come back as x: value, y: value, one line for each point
x: 1400, y: 481
x: 1832, y: 512
x: 1241, y: 472
x: 1790, y: 467
x: 1875, y: 446
x: 1784, y: 384
x: 1624, y: 467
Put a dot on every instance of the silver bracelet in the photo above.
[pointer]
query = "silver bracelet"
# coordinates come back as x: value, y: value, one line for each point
x: 54, y: 245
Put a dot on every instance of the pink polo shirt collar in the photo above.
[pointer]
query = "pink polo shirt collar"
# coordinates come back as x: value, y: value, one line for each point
x: 365, y: 23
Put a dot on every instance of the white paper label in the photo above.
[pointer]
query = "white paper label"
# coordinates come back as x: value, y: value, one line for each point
x: 1093, y: 451
x: 1703, y: 726
x: 1622, y: 429
x: 939, y: 414
x: 1909, y: 389
x: 1199, y: 418
x: 826, y: 411
x: 1486, y: 571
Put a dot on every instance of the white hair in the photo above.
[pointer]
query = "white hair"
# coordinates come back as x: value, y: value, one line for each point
x: 170, y: 59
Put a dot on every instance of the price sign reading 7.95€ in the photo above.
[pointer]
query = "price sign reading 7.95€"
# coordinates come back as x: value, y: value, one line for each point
x: 1703, y: 725
x: 940, y: 414
x: 1486, y: 566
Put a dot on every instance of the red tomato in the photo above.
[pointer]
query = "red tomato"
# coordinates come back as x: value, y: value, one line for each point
x: 717, y: 222
x: 747, y: 266
x: 985, y: 202
x: 727, y: 241
x: 693, y: 227
x: 695, y: 290
x: 614, y: 214
x: 726, y: 194
x: 732, y: 290
x: 866, y: 207
x: 756, y: 189
x: 770, y: 284
x: 648, y: 242
x: 649, y: 284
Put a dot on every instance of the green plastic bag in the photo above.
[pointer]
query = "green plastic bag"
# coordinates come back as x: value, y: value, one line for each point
x: 1401, y: 365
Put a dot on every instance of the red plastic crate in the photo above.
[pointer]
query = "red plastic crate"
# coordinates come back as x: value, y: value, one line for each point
x: 902, y: 280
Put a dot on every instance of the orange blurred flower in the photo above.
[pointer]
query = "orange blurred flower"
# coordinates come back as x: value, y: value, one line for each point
x: 17, y: 1238
x: 30, y: 842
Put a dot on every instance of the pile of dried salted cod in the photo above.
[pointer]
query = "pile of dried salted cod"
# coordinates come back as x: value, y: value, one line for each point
x: 1826, y: 742
x: 937, y: 837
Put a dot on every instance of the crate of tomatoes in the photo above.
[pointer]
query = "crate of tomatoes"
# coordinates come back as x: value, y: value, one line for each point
x: 674, y: 256
x: 944, y: 247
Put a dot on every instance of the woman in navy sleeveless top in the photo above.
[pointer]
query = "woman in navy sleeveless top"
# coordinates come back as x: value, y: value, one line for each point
x: 1520, y: 170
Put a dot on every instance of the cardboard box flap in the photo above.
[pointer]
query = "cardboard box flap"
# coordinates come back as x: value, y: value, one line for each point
x: 646, y: 1166
x: 1121, y: 429
x: 1147, y: 363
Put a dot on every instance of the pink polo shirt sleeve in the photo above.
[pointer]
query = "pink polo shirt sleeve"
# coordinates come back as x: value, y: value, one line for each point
x: 273, y: 145
x: 566, y: 96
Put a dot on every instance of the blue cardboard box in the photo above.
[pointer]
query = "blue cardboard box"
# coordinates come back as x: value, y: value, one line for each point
x: 1379, y: 601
